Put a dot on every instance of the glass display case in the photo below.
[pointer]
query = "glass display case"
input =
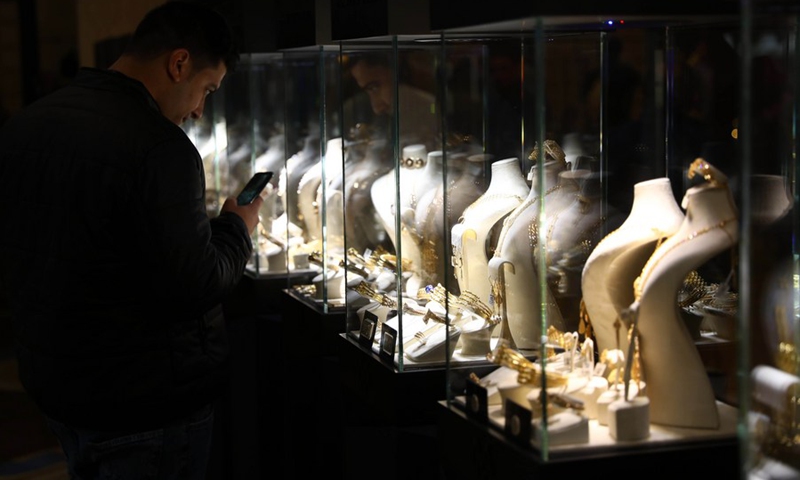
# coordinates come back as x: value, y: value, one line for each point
x: 770, y: 298
x: 600, y: 260
x: 256, y: 133
x: 257, y: 143
x: 313, y: 212
x: 395, y: 174
x: 394, y: 169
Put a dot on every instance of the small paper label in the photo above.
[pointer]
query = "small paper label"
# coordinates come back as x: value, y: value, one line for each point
x: 477, y: 403
x: 366, y: 334
x: 388, y: 344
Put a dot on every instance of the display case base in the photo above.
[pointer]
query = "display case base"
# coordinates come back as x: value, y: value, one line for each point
x: 471, y: 449
x: 261, y: 294
x: 309, y: 330
x: 390, y: 415
x: 311, y: 415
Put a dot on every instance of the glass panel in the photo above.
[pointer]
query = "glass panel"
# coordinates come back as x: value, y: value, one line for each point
x: 259, y: 90
x: 770, y: 330
x: 395, y: 174
x: 314, y: 155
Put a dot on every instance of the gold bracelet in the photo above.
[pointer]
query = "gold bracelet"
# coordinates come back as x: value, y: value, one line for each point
x: 353, y: 268
x: 471, y: 301
x: 316, y: 258
x: 551, y: 149
x: 527, y: 371
x: 440, y: 295
x: 710, y: 173
x: 367, y: 291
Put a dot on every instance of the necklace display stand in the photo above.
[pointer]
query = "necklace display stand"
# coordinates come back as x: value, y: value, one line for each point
x: 618, y: 259
x: 296, y: 166
x: 574, y: 227
x: 310, y: 185
x: 507, y: 189
x: 365, y: 227
x: 678, y: 385
x: 441, y: 207
x: 512, y: 268
x: 384, y: 189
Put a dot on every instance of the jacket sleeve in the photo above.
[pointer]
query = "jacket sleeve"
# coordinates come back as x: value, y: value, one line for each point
x: 196, y: 261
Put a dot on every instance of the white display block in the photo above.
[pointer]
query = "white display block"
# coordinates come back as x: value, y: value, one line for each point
x: 629, y: 420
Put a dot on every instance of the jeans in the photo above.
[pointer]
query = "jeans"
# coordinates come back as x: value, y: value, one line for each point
x: 179, y: 450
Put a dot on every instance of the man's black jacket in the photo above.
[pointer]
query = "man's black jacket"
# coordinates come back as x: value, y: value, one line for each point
x: 115, y: 273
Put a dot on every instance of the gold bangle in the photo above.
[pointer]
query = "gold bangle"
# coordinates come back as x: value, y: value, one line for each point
x: 508, y: 357
x: 440, y: 295
x: 710, y: 173
x: 563, y: 400
x: 366, y: 290
x: 551, y: 149
x: 474, y: 304
x: 528, y: 373
x: 353, y: 268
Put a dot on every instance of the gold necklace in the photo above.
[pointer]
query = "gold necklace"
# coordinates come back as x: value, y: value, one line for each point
x: 509, y: 220
x: 654, y: 260
x: 486, y: 198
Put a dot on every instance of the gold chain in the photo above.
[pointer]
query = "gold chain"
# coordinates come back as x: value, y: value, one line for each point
x: 509, y: 220
x: 653, y: 261
x: 486, y: 198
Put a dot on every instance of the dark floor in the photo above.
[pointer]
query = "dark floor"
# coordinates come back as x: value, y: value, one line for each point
x: 27, y: 448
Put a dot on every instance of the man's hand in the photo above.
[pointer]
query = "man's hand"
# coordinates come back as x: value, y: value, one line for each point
x: 249, y: 212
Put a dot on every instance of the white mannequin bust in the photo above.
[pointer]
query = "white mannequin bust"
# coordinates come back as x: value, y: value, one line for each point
x: 609, y: 272
x: 513, y: 271
x: 576, y: 202
x: 273, y: 158
x: 309, y: 198
x: 419, y: 219
x: 570, y: 233
x: 507, y: 189
x: 296, y: 167
x: 678, y: 386
x: 440, y: 207
x: 770, y: 200
x: 415, y: 169
x: 365, y: 228
x: 384, y: 189
x: 420, y: 181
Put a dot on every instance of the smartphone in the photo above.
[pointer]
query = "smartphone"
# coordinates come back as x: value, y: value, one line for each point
x: 253, y: 188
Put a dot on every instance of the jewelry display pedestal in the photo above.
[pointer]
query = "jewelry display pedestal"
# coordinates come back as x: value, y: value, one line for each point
x: 260, y: 294
x: 307, y: 386
x: 309, y: 331
x: 390, y: 415
x: 244, y: 419
x: 471, y: 449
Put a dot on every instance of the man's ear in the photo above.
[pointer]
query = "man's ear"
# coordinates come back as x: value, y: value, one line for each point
x: 178, y: 65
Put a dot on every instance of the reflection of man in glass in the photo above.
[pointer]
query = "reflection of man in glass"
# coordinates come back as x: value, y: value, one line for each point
x: 417, y: 112
x: 392, y: 97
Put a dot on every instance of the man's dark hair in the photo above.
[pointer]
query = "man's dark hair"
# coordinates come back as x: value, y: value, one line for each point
x: 180, y: 24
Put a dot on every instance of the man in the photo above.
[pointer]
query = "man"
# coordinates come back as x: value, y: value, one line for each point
x: 114, y: 270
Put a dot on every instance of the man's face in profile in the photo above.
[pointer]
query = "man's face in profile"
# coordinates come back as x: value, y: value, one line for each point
x: 376, y: 80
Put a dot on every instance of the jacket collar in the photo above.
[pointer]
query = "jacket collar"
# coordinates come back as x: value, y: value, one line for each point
x: 112, y: 80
